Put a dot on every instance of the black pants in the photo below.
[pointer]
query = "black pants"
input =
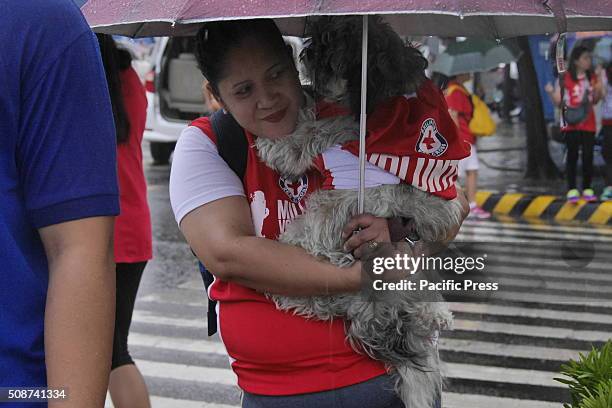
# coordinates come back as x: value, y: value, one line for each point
x: 128, y: 280
x: 575, y: 140
x: 607, y: 152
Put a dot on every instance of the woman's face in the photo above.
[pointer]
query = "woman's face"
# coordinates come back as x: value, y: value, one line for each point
x: 583, y: 63
x: 261, y: 89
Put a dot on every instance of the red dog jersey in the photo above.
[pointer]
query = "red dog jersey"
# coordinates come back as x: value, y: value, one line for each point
x: 274, y: 352
x: 410, y: 139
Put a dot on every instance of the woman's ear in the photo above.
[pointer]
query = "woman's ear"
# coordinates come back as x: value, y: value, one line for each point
x: 212, y: 97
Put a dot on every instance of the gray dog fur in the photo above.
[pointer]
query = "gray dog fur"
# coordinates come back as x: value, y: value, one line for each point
x: 397, y: 332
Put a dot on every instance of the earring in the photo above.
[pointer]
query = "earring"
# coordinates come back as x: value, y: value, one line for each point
x: 225, y: 111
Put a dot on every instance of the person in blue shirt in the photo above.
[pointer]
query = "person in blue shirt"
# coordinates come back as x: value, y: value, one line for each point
x: 58, y: 189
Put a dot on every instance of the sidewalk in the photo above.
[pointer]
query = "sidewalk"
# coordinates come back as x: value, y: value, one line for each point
x: 504, y: 190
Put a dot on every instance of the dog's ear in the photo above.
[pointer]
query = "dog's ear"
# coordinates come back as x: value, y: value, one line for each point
x: 333, y: 49
x: 334, y: 52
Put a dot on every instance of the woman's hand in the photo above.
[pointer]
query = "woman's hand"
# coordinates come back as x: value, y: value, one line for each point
x: 554, y: 92
x: 362, y: 230
x: 549, y: 88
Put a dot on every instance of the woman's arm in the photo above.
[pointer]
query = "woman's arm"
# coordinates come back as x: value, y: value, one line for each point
x: 598, y: 86
x: 208, y: 201
x: 221, y: 234
x: 554, y: 92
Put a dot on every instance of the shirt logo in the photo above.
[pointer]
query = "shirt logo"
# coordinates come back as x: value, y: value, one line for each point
x: 259, y: 211
x: 295, y: 190
x: 431, y: 141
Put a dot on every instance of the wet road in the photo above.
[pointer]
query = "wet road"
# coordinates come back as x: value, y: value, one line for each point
x: 172, y: 264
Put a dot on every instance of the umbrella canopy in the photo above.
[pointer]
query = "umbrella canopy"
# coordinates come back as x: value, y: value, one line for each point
x: 488, y: 18
x: 473, y: 55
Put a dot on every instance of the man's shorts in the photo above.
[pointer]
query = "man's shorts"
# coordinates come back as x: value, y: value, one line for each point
x: 469, y: 163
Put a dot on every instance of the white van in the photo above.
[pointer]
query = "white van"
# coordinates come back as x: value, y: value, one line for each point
x: 174, y: 93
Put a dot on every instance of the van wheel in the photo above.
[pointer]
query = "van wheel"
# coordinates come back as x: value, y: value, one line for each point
x: 161, y: 152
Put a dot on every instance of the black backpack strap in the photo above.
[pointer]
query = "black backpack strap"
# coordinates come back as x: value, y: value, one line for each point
x: 231, y: 141
x: 233, y: 148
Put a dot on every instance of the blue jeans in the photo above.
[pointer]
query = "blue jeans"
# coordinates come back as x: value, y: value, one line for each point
x: 375, y: 393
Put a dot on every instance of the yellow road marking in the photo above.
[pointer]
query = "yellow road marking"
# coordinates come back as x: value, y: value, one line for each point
x: 569, y: 210
x: 482, y: 197
x: 602, y: 214
x: 507, y: 203
x: 538, y: 205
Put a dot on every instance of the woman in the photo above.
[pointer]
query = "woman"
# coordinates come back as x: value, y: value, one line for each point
x: 133, y: 240
x: 581, y: 90
x: 280, y: 359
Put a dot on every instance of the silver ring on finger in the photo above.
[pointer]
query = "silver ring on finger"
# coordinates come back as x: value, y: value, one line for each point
x: 372, y: 245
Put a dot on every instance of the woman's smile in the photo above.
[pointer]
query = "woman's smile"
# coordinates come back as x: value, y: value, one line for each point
x: 276, y: 116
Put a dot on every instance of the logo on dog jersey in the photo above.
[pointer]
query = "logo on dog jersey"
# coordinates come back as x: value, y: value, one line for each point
x: 431, y: 141
x: 295, y: 190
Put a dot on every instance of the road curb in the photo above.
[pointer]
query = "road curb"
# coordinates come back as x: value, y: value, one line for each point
x: 545, y: 207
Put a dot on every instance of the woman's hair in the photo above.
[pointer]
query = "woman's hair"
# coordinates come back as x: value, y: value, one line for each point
x: 216, y: 39
x: 115, y: 60
x: 575, y: 56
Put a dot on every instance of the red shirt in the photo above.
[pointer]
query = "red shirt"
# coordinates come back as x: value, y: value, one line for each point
x: 414, y: 138
x: 574, y: 94
x: 274, y: 352
x: 459, y: 101
x: 133, y: 240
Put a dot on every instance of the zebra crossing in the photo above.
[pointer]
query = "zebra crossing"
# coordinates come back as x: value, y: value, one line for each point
x: 503, y: 353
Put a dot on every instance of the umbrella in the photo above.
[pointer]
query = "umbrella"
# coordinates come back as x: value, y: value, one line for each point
x: 488, y: 18
x: 474, y: 55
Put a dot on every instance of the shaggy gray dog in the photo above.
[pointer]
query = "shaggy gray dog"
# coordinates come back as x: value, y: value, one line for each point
x: 398, y: 332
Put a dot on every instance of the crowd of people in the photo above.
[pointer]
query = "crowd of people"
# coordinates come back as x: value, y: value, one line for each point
x: 72, y: 117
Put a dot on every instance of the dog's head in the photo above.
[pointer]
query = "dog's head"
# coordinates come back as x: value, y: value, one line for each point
x: 333, y: 61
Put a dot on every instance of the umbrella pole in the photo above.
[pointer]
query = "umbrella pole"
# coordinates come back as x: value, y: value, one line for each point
x: 362, y: 116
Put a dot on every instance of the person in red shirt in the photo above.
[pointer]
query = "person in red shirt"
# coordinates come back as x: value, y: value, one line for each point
x: 580, y: 85
x: 133, y: 238
x: 461, y: 109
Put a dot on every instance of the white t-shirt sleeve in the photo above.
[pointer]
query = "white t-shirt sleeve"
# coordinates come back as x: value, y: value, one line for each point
x: 199, y: 175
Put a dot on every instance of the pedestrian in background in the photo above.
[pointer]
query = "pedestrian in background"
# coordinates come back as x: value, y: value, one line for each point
x: 579, y: 90
x: 461, y: 110
x: 133, y: 239
x: 606, y: 122
x: 58, y: 184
